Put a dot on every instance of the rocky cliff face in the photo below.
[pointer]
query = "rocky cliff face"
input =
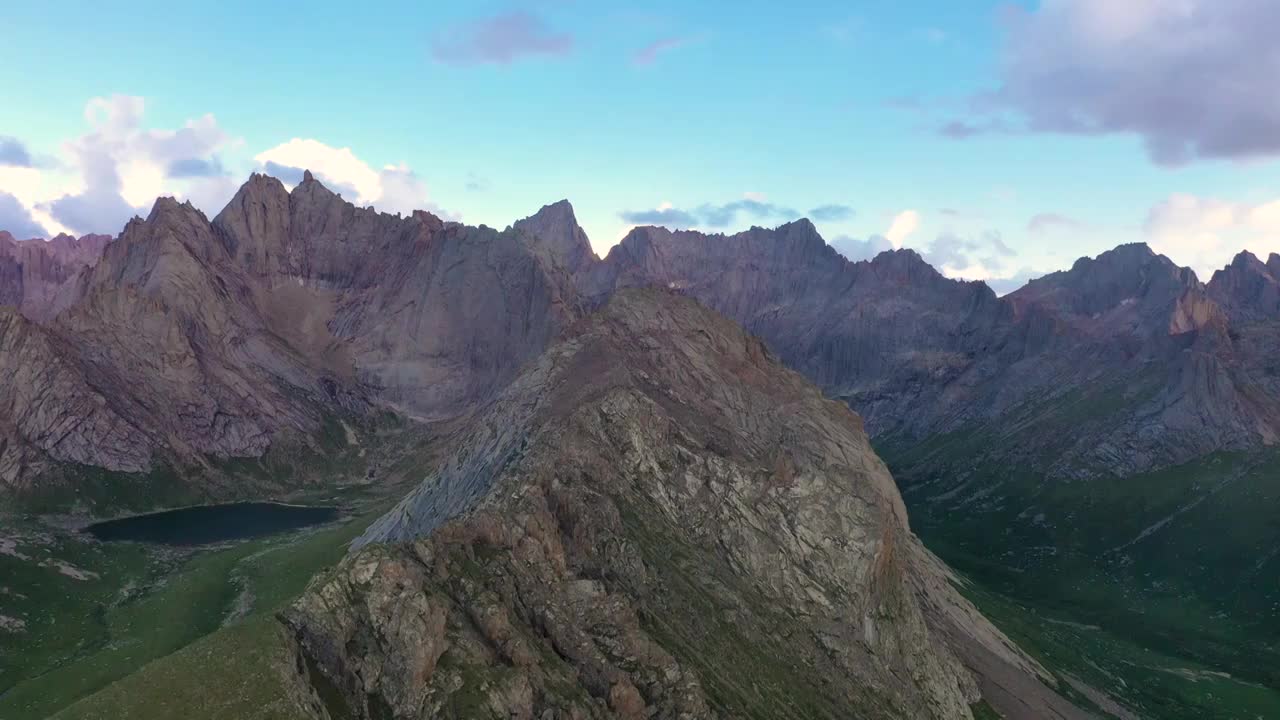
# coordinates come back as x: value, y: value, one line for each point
x: 554, y: 234
x: 1248, y: 288
x: 215, y: 338
x: 34, y: 274
x: 885, y: 335
x: 918, y: 355
x: 50, y: 411
x: 654, y: 520
x: 431, y: 316
x: 347, y: 307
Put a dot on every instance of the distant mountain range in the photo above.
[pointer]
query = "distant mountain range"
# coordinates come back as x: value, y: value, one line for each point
x: 288, y: 304
x: 1056, y: 442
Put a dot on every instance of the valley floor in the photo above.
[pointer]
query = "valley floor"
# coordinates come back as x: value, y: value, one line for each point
x: 115, y: 630
x: 128, y: 630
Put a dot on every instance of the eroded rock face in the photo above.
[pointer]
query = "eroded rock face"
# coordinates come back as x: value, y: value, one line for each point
x: 885, y: 335
x: 49, y: 411
x: 34, y: 274
x: 432, y: 316
x: 292, y: 303
x: 554, y: 234
x: 655, y: 520
x: 920, y: 355
x: 217, y: 338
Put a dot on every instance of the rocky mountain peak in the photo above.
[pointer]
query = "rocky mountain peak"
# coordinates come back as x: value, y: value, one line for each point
x: 254, y: 225
x: 311, y: 188
x: 553, y: 233
x: 431, y: 221
x: 169, y: 209
x: 802, y: 239
x: 1248, y: 288
x: 262, y: 185
x: 1245, y: 260
x: 1130, y: 276
x: 904, y: 264
x: 654, y: 468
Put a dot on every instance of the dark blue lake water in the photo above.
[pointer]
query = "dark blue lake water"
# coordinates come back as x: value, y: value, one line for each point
x: 212, y: 523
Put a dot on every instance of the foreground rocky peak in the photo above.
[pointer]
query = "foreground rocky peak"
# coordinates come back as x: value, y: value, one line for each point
x: 655, y: 519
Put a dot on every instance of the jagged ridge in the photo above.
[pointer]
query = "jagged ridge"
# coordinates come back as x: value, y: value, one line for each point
x: 652, y: 509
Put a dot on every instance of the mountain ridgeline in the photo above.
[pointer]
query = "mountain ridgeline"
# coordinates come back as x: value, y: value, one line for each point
x: 290, y: 303
x: 638, y: 498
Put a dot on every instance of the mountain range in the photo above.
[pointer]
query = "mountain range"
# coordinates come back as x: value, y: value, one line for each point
x: 1011, y: 424
x: 318, y: 302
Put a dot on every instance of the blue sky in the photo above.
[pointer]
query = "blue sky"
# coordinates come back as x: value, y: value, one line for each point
x: 1000, y: 139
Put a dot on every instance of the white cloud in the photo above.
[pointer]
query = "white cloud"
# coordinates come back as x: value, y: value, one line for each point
x: 118, y: 168
x: 403, y: 192
x: 1207, y: 232
x: 394, y: 188
x: 1194, y: 79
x: 904, y: 224
x: 756, y: 196
x: 337, y: 166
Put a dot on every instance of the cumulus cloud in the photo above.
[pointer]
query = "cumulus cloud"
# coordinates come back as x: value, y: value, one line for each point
x: 394, y: 188
x: 403, y: 191
x: 984, y: 256
x: 190, y: 167
x: 1206, y: 233
x: 1006, y: 285
x: 951, y: 251
x: 338, y: 168
x: 856, y: 249
x: 501, y: 39
x: 118, y: 168
x: 17, y: 220
x: 648, y: 54
x: 13, y: 152
x: 904, y: 224
x: 998, y: 244
x: 1192, y: 78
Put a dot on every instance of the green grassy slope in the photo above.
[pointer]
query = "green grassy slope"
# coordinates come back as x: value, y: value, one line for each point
x: 109, y: 627
x: 1163, y: 588
x: 221, y: 600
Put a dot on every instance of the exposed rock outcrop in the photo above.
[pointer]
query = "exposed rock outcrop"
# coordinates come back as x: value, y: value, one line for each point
x: 215, y: 338
x: 431, y: 316
x: 919, y: 355
x: 34, y: 274
x: 347, y: 307
x: 656, y: 519
x: 49, y: 410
